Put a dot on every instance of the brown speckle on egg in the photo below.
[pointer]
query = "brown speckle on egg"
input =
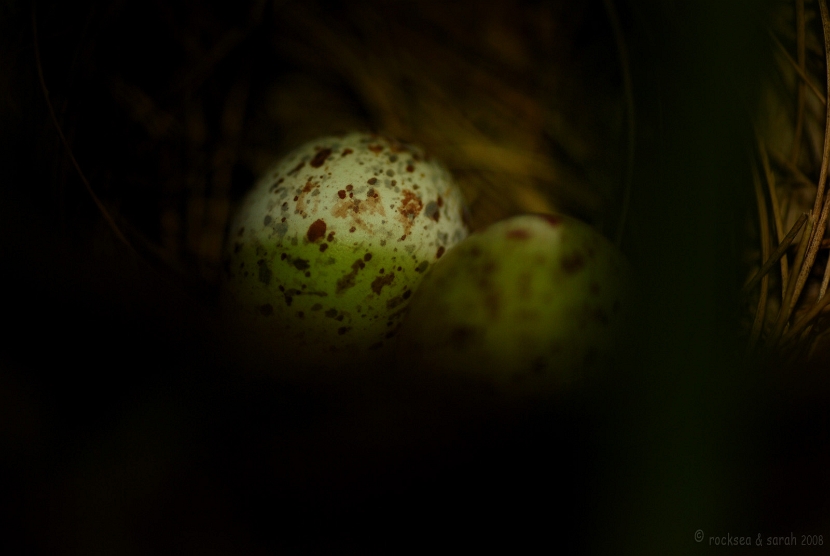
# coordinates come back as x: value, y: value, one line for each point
x: 394, y: 302
x: 552, y: 219
x: 264, y: 272
x: 316, y: 230
x: 382, y: 280
x: 600, y: 316
x: 296, y: 169
x: 320, y: 158
x: 348, y: 280
x: 572, y: 262
x: 462, y: 336
x: 410, y: 207
x: 288, y: 297
x: 518, y: 234
x: 492, y: 302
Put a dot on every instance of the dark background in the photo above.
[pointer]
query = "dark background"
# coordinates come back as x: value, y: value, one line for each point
x: 127, y: 427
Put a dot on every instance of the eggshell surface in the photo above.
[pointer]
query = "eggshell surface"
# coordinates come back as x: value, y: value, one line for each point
x: 527, y: 306
x: 326, y: 250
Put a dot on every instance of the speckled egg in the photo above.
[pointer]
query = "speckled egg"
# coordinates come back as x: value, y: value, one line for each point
x: 526, y: 307
x: 326, y: 250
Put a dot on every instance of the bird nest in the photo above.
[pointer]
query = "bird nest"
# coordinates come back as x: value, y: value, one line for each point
x: 786, y: 291
x: 523, y: 102
x: 530, y: 105
x: 151, y: 120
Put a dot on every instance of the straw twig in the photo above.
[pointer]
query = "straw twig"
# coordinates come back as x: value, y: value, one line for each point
x: 776, y: 255
x: 820, y: 207
x: 785, y: 164
x: 764, y: 227
x: 628, y: 91
x: 786, y: 302
x: 100, y: 205
x: 801, y: 72
x: 799, y: 327
x: 800, y: 54
x: 776, y: 211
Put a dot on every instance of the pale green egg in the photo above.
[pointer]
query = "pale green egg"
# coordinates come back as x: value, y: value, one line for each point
x: 325, y: 252
x: 528, y: 306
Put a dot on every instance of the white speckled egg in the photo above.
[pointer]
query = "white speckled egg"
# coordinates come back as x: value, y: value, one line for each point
x: 326, y: 250
x: 527, y: 306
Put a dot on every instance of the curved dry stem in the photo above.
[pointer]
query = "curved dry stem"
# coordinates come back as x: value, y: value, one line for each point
x: 800, y: 54
x: 763, y: 220
x: 820, y: 204
x: 822, y: 180
x: 776, y: 210
x: 777, y: 254
x: 628, y: 91
x: 799, y: 70
x: 786, y: 303
x: 794, y: 172
x: 798, y: 327
x: 104, y: 212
